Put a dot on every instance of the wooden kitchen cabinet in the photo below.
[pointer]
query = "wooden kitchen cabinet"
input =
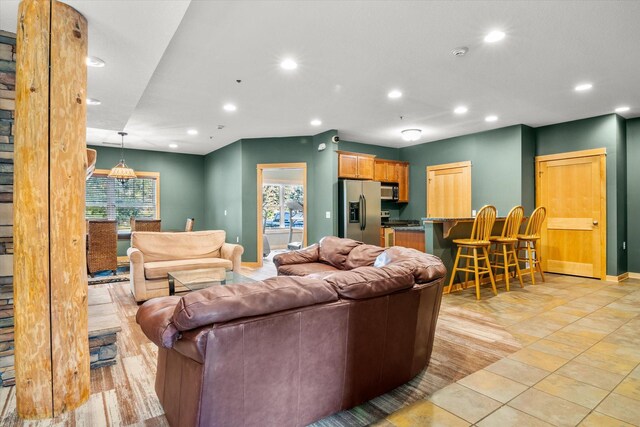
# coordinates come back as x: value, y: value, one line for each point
x: 385, y: 171
x: 402, y: 172
x: 355, y: 165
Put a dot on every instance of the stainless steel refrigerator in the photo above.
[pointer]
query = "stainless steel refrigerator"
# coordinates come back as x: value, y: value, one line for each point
x: 359, y: 210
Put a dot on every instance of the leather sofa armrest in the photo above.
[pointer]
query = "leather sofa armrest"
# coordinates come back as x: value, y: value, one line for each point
x: 155, y: 318
x: 301, y: 256
x: 233, y: 253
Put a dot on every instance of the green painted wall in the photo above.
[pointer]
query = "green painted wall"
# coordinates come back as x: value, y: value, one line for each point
x: 528, y: 169
x: 597, y: 132
x: 380, y: 152
x: 231, y: 179
x: 323, y: 188
x: 496, y: 174
x: 633, y: 194
x: 181, y: 184
x: 223, y: 191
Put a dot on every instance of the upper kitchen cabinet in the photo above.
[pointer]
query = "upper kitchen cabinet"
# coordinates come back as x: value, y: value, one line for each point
x: 385, y: 171
x: 402, y: 172
x: 355, y: 165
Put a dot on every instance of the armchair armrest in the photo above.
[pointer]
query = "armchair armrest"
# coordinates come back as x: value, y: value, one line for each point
x: 301, y: 256
x: 136, y: 274
x: 155, y: 318
x: 232, y: 252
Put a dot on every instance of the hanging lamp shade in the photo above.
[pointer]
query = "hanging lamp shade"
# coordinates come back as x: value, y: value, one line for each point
x: 121, y: 172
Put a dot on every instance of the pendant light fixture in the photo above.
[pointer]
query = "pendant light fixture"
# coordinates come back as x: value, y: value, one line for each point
x: 121, y: 172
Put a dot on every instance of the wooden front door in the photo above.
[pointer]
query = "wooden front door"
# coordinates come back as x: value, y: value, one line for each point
x: 449, y: 190
x: 572, y: 186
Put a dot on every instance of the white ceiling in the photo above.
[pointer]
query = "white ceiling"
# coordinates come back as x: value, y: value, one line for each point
x: 171, y: 65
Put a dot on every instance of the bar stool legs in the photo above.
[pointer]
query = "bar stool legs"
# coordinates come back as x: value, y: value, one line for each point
x: 507, y: 251
x: 530, y: 257
x: 477, y: 269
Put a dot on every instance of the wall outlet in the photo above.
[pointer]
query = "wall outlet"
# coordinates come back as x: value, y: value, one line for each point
x: 624, y: 245
x: 237, y: 238
x: 225, y: 212
x: 327, y: 214
x: 473, y: 212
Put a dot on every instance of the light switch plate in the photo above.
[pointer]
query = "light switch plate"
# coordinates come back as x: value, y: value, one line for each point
x: 327, y: 215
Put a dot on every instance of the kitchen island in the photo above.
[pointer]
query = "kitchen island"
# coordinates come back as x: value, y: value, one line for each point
x: 440, y: 232
x: 409, y: 237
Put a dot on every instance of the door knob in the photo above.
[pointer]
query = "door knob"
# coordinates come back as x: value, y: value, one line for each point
x: 595, y: 222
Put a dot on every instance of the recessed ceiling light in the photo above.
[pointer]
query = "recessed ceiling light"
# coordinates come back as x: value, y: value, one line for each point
x: 230, y: 107
x: 94, y: 61
x: 582, y: 87
x: 288, y: 64
x: 622, y: 109
x: 491, y: 118
x: 93, y: 101
x: 494, y: 36
x: 394, y: 94
x: 316, y: 122
x: 411, y: 134
x: 192, y: 132
x: 461, y: 109
x: 173, y: 145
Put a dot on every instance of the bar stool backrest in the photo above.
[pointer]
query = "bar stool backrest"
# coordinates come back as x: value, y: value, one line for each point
x: 483, y: 223
x: 535, y: 222
x: 512, y: 223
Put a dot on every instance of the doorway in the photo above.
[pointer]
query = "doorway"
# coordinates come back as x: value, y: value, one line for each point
x: 281, y: 207
x: 572, y: 186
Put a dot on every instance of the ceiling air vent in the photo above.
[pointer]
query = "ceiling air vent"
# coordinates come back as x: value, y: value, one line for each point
x: 113, y: 144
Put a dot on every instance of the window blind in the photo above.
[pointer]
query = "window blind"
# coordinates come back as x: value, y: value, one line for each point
x: 108, y: 199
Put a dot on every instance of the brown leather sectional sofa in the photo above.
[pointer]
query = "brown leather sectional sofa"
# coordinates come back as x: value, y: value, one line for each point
x: 291, y: 350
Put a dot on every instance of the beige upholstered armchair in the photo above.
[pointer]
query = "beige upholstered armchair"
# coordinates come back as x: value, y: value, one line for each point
x: 153, y: 255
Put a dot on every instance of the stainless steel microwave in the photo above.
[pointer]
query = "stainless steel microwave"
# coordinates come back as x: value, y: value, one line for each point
x: 388, y: 192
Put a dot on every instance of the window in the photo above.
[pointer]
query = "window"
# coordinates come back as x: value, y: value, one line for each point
x: 275, y: 212
x: 106, y: 198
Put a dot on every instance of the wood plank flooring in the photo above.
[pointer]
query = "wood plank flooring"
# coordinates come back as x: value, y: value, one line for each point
x: 470, y: 336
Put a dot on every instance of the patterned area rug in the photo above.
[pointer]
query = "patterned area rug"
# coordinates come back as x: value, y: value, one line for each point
x: 98, y: 280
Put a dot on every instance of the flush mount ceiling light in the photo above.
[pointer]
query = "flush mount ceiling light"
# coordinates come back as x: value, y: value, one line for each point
x: 491, y: 118
x: 192, y: 132
x: 622, y: 109
x: 394, y: 94
x: 173, y: 145
x: 582, y: 87
x: 230, y: 107
x: 121, y: 172
x: 316, y: 122
x: 461, y: 109
x: 494, y: 36
x: 94, y: 61
x: 411, y: 134
x: 288, y: 64
x: 93, y: 101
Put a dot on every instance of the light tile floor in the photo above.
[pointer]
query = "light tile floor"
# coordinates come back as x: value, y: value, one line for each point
x: 579, y: 363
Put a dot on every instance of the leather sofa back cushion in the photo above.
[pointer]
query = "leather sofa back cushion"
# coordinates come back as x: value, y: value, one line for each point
x: 223, y: 303
x: 362, y: 256
x: 424, y: 267
x: 163, y: 246
x: 369, y: 282
x: 334, y: 250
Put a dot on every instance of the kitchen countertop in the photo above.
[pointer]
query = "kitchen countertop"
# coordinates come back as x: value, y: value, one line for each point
x: 414, y: 228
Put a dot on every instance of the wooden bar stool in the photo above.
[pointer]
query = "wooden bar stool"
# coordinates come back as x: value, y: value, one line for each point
x: 505, y: 245
x: 479, y: 240
x: 527, y: 243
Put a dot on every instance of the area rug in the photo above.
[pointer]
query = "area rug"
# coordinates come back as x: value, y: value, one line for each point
x: 98, y: 280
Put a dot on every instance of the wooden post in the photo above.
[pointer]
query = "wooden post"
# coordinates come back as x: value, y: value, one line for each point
x: 50, y: 281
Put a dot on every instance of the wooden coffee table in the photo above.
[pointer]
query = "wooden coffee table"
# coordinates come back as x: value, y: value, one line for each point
x: 203, y: 278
